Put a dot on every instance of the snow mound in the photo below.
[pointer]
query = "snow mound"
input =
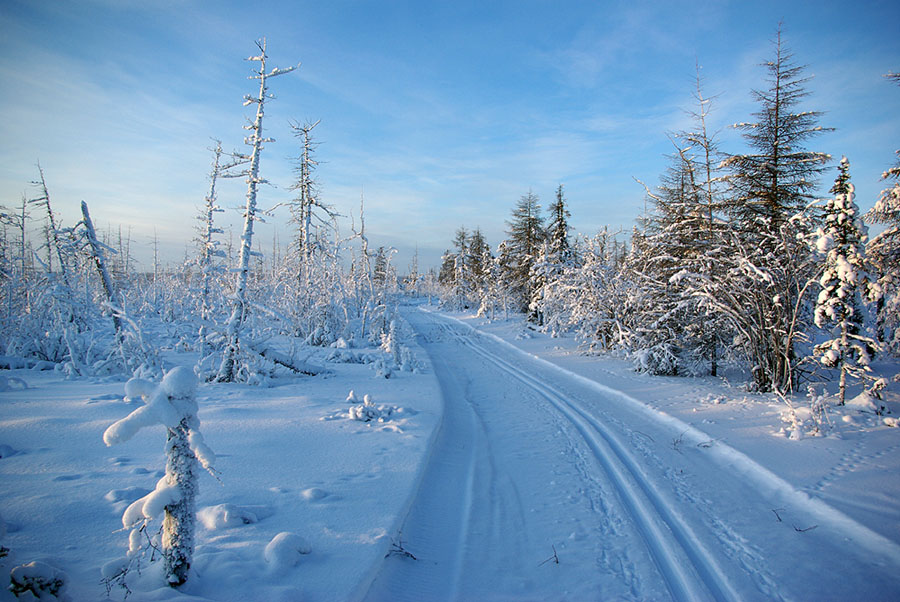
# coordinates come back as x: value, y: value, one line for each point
x: 285, y: 550
x: 11, y: 383
x: 138, y: 389
x: 225, y: 516
x: 180, y: 383
x: 122, y: 498
x: 313, y: 494
x: 863, y: 401
x: 7, y: 451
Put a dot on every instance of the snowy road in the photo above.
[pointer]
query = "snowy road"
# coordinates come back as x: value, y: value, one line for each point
x: 542, y: 485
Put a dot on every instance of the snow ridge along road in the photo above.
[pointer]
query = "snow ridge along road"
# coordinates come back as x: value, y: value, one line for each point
x: 544, y: 485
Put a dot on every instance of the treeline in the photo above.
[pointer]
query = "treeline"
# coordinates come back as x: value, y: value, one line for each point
x: 735, y: 259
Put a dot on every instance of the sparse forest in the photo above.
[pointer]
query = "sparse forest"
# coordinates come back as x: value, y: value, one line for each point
x: 740, y: 265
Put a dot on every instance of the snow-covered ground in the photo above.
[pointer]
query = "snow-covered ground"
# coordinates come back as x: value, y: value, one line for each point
x: 511, y: 467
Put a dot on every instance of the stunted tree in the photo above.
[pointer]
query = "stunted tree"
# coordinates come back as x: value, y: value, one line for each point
x: 53, y: 245
x: 209, y: 245
x: 228, y: 368
x: 844, y: 280
x: 173, y: 404
x: 307, y: 210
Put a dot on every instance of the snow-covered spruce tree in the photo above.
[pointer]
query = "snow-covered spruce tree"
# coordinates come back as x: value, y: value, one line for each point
x: 526, y: 234
x: 768, y: 187
x: 595, y: 294
x: 670, y: 246
x: 844, y: 280
x: 560, y: 251
x: 478, y: 256
x: 172, y: 404
x: 555, y: 257
x: 708, y: 334
x: 412, y: 282
x: 229, y: 369
x: 883, y: 251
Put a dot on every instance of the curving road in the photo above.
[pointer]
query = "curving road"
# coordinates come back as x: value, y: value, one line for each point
x: 542, y: 485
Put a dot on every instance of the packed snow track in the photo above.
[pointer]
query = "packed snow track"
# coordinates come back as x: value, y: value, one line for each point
x: 540, y: 486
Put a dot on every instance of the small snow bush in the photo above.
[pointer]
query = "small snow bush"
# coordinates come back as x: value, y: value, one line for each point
x: 38, y: 580
x: 809, y: 421
x: 367, y: 411
x: 659, y: 360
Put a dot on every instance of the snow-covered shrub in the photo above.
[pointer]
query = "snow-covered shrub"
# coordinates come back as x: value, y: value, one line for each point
x: 812, y: 420
x: 367, y: 411
x: 38, y: 580
x: 285, y: 550
x: 661, y: 360
x: 384, y: 368
x: 173, y: 405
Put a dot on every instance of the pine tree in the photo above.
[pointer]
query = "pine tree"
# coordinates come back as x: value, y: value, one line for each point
x: 479, y: 253
x: 774, y: 183
x: 447, y: 273
x: 380, y: 269
x: 766, y: 269
x: 843, y: 282
x: 560, y: 249
x: 526, y: 234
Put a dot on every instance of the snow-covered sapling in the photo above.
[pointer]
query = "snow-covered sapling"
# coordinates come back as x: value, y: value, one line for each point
x: 172, y: 404
x: 839, y: 307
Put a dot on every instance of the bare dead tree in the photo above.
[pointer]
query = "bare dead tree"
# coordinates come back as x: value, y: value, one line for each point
x: 227, y: 369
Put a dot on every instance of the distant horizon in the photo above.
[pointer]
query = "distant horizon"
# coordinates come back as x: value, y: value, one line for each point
x: 440, y: 116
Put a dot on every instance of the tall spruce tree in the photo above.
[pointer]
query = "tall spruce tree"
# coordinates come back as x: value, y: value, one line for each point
x: 775, y: 181
x: 767, y: 270
x: 526, y: 234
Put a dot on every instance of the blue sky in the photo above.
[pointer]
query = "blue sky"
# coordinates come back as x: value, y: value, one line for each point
x: 441, y: 114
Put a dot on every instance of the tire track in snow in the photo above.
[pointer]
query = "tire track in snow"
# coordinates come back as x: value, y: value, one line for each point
x: 443, y: 510
x: 687, y: 566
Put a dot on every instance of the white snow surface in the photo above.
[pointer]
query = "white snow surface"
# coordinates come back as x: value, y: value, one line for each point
x: 518, y: 468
